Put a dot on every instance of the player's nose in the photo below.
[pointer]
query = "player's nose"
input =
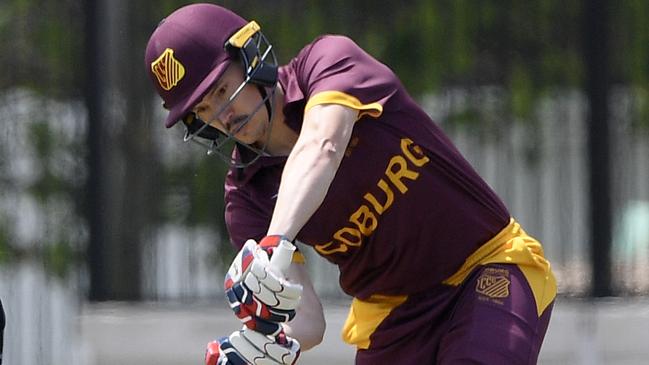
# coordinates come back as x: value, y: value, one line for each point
x: 227, y: 117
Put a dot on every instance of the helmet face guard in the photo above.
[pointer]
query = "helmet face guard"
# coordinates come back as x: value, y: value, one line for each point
x: 222, y: 144
x: 260, y: 66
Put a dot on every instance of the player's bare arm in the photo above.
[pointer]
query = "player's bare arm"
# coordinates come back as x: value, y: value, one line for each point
x: 311, y: 166
x: 309, y: 170
x: 308, y: 326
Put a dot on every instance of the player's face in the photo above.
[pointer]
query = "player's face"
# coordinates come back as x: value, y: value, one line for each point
x: 239, y: 117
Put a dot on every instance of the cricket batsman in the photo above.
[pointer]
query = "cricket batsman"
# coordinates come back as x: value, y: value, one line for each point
x: 330, y: 150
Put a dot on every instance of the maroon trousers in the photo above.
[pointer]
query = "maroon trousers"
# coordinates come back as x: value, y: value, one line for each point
x: 491, y: 318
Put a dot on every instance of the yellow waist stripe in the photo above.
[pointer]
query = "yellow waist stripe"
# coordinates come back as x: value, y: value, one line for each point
x: 513, y: 246
x: 365, y: 315
x: 510, y: 246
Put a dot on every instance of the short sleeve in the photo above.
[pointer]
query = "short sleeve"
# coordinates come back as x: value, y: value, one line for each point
x: 336, y: 70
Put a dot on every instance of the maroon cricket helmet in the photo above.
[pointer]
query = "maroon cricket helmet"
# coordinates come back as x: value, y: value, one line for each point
x: 186, y: 54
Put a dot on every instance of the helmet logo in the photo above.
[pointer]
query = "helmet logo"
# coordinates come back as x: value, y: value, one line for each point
x: 167, y: 69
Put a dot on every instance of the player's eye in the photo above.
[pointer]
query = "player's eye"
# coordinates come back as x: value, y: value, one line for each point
x: 221, y: 91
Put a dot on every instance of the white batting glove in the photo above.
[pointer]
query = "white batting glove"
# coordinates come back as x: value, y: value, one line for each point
x: 258, y: 293
x: 246, y: 346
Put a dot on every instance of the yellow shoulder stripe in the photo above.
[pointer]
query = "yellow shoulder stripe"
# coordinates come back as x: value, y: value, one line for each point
x: 337, y: 97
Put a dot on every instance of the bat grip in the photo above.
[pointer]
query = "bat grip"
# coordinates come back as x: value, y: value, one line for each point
x: 282, y: 256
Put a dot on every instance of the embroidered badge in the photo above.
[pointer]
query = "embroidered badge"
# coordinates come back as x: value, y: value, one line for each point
x: 493, y: 283
x: 168, y: 70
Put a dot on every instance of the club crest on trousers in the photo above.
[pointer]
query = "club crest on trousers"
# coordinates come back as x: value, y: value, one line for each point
x: 493, y: 284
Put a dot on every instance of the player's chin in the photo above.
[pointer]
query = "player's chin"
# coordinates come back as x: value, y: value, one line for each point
x: 251, y: 134
x: 246, y: 137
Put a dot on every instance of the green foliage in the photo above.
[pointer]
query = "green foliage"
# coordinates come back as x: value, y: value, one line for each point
x: 46, y: 41
x: 59, y: 258
x: 631, y: 60
x: 206, y: 192
x: 195, y: 193
x: 6, y: 251
x: 522, y: 96
x: 464, y: 117
x: 46, y: 145
x: 32, y: 137
x: 431, y: 44
x: 194, y: 198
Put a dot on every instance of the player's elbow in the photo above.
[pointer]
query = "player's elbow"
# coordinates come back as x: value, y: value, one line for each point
x: 314, y: 336
x: 312, y: 323
x: 308, y: 326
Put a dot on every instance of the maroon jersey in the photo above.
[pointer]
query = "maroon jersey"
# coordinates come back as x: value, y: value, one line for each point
x: 404, y: 210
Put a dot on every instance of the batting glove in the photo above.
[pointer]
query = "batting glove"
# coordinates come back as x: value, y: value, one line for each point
x: 246, y: 346
x: 258, y: 294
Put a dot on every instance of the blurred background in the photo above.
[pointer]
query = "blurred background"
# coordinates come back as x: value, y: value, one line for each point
x: 112, y: 244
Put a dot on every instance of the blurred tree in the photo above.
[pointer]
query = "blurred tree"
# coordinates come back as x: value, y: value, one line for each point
x: 45, y: 39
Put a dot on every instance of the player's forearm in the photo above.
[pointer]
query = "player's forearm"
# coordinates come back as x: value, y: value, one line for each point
x: 305, y: 333
x: 311, y: 167
x: 306, y: 179
x: 308, y: 326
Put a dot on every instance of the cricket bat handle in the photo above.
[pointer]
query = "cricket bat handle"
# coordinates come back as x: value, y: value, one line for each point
x: 282, y: 256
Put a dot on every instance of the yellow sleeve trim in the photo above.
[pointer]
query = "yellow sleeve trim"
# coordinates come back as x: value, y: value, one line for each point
x: 513, y: 246
x: 366, y: 315
x: 336, y: 97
